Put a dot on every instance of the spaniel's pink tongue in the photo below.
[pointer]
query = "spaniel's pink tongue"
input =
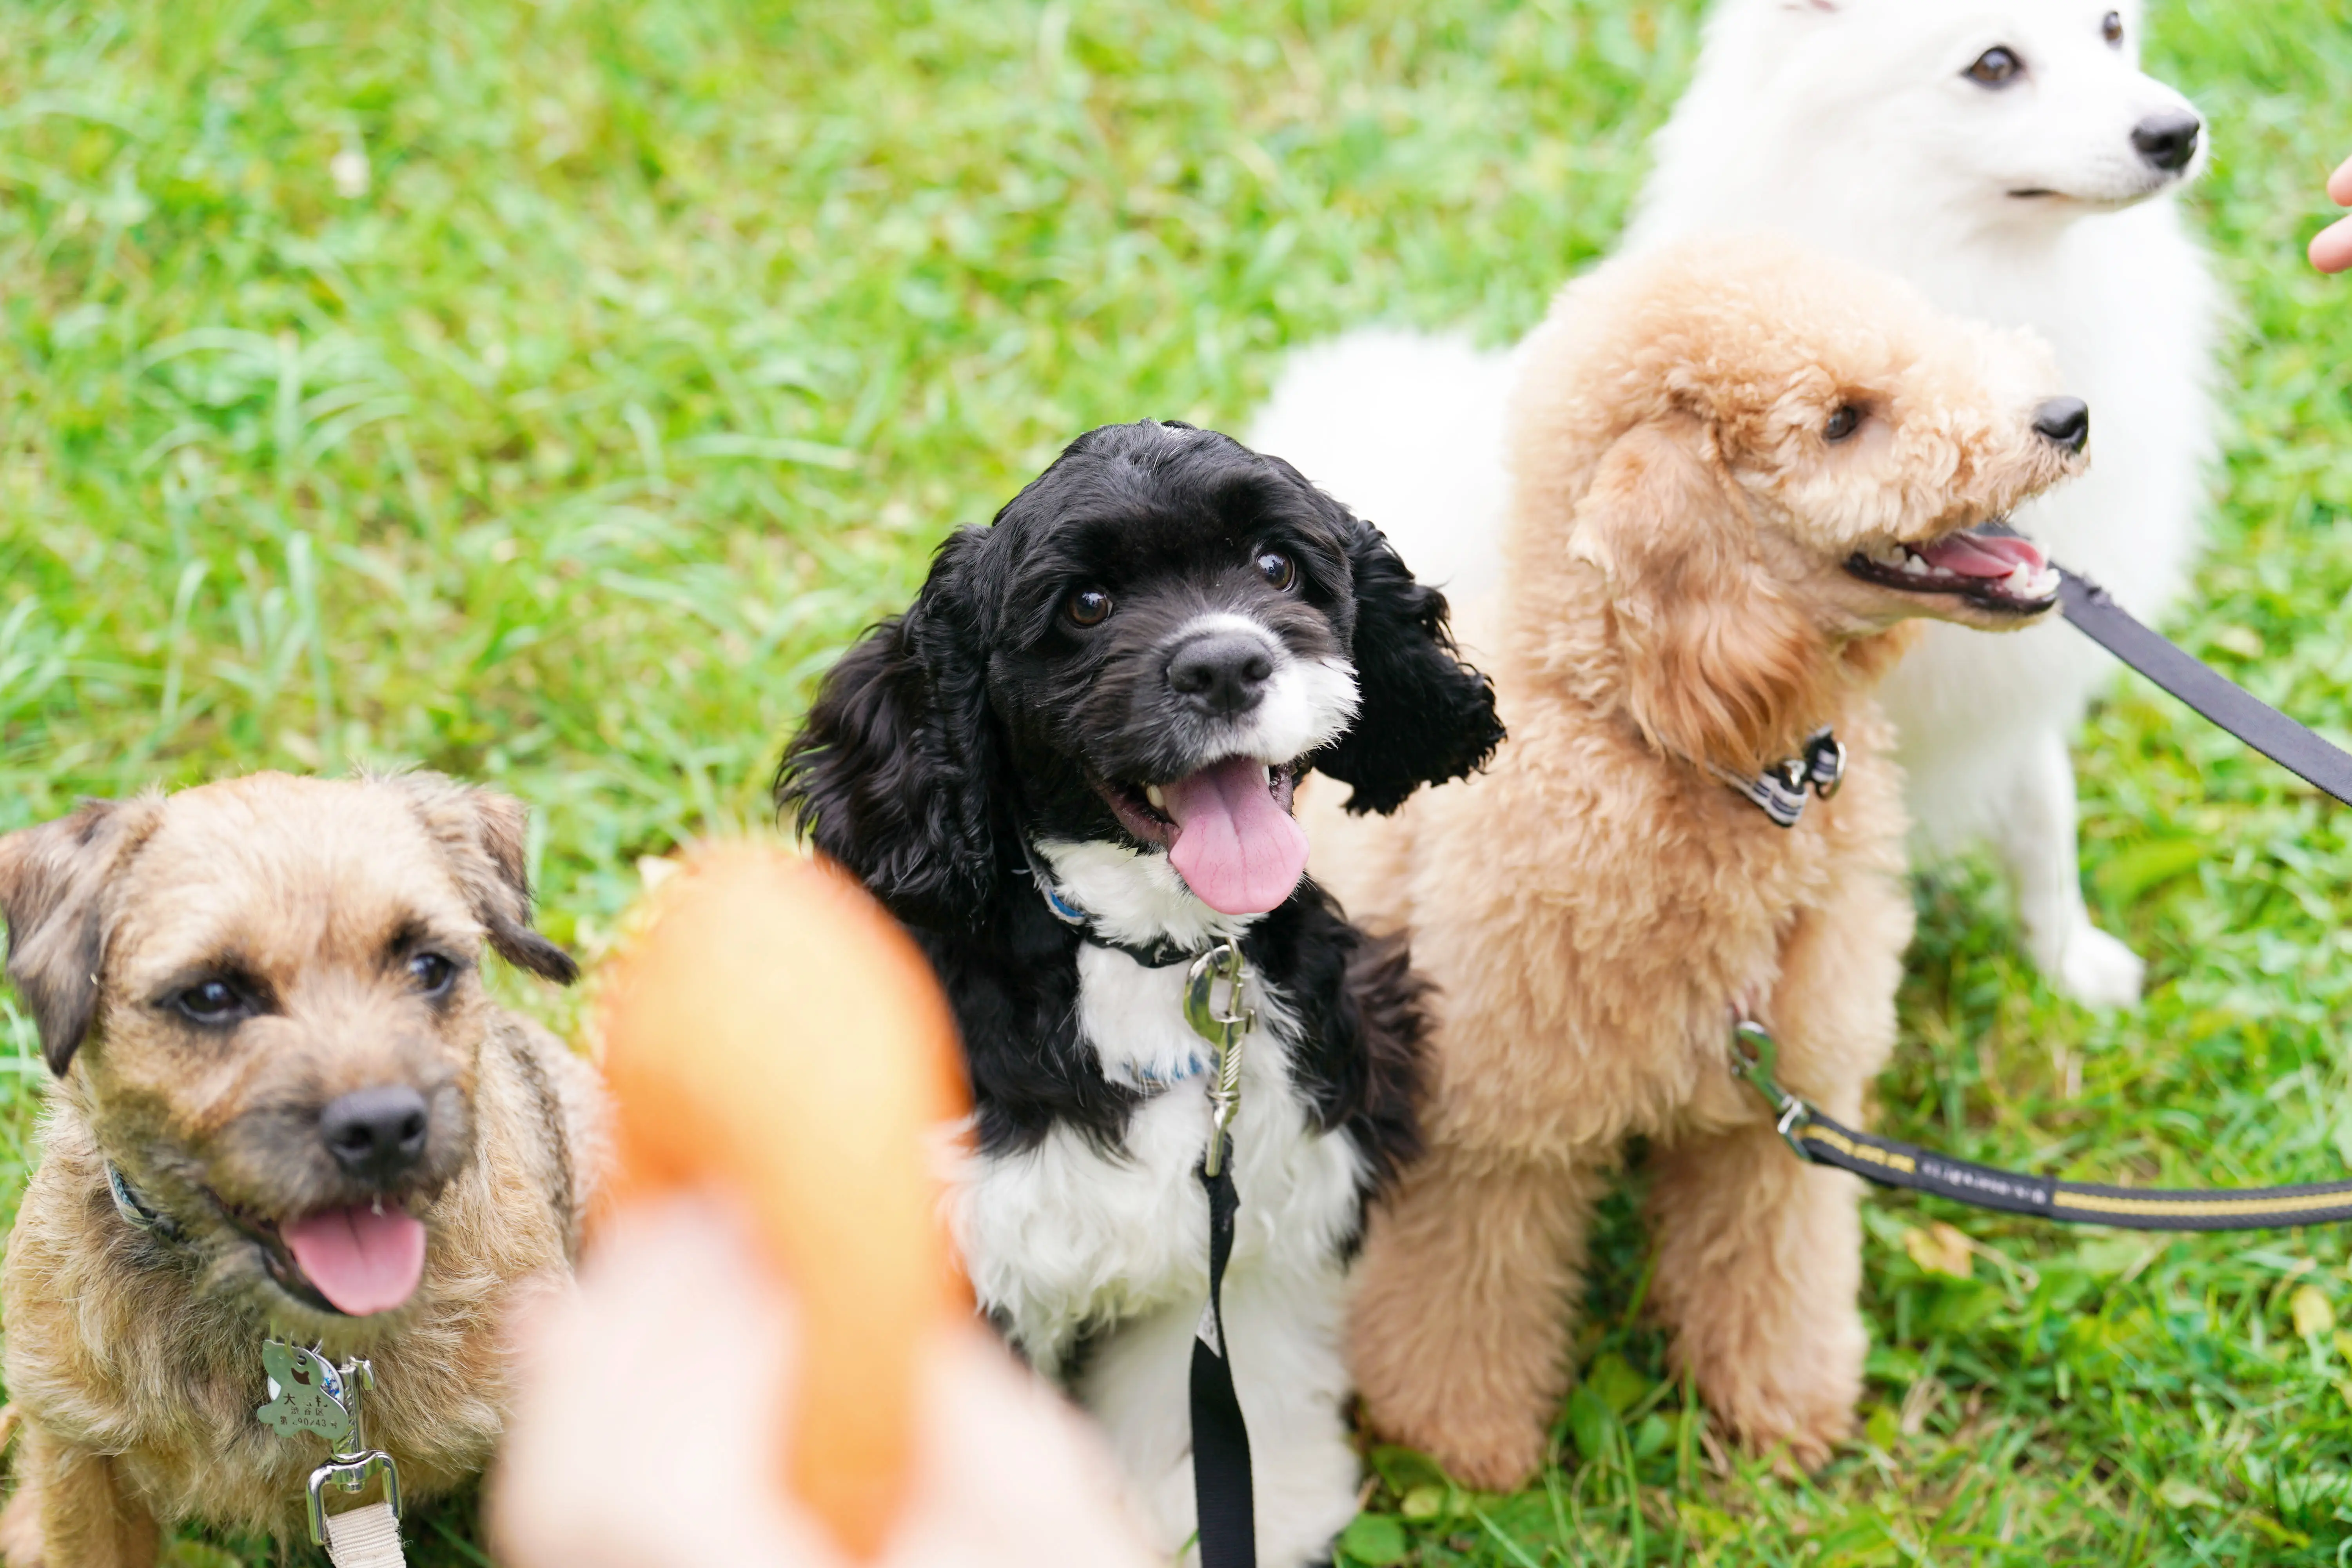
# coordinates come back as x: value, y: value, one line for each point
x: 1982, y: 555
x: 1234, y: 848
x: 363, y: 1260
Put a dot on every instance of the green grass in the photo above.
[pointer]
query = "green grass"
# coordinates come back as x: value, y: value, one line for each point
x: 665, y: 338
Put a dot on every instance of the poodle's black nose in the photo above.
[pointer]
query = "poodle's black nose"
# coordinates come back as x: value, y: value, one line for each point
x: 2064, y: 422
x: 2168, y: 139
x: 376, y: 1134
x: 1222, y: 673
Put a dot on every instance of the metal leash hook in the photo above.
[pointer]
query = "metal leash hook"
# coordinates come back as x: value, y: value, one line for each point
x: 309, y: 1393
x: 1223, y: 1031
x: 1756, y: 1057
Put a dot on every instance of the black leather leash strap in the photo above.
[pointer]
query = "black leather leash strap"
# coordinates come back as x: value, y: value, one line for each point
x: 2211, y: 693
x: 1221, y: 1454
x: 1894, y: 1165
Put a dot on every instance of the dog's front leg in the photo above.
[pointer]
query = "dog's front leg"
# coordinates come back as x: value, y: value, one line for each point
x: 1465, y: 1301
x: 72, y: 1511
x: 2038, y: 849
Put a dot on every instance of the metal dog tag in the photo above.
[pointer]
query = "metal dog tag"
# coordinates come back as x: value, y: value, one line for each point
x: 305, y: 1394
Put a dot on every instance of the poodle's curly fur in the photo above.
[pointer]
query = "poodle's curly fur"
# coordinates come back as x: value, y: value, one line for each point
x: 1595, y: 907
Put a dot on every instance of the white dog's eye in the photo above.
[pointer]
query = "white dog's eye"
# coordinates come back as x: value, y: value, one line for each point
x: 2111, y: 27
x: 1997, y: 67
x: 1843, y: 423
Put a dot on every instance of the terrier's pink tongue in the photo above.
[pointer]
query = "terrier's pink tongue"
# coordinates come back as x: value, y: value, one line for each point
x: 361, y: 1260
x: 1237, y: 849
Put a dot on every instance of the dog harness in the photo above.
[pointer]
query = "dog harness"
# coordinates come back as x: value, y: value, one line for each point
x: 1781, y: 790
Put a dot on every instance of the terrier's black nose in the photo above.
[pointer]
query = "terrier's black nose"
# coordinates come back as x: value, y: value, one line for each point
x: 376, y: 1134
x: 2168, y: 139
x: 1224, y: 673
x: 2064, y: 422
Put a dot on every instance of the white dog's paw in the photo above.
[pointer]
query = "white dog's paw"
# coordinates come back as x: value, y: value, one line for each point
x: 2098, y: 970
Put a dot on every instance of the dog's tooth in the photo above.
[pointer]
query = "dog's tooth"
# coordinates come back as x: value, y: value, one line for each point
x: 1153, y: 793
x: 1913, y: 566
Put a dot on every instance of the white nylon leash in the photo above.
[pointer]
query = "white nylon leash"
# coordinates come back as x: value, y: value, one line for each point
x: 365, y: 1537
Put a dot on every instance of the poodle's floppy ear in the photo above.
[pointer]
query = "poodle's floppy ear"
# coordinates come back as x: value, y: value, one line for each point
x: 485, y: 836
x: 52, y: 879
x: 1721, y: 667
x: 891, y: 773
x: 1422, y: 716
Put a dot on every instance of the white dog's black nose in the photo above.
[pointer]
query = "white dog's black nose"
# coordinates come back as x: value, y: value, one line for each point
x: 2064, y: 422
x: 2168, y: 139
x: 376, y: 1134
x: 1223, y: 673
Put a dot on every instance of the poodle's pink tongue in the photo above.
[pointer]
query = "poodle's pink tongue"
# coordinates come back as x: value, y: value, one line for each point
x: 361, y: 1259
x: 1237, y: 849
x: 1982, y: 555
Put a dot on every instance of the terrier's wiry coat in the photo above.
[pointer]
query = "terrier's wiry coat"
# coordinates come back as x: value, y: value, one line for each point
x: 1716, y: 457
x: 322, y: 910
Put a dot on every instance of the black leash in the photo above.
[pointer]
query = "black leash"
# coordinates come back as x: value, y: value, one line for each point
x: 2294, y: 748
x: 1221, y: 1453
x: 1889, y: 1163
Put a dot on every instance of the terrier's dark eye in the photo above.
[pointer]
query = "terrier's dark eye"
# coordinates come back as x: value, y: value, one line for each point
x: 1843, y: 423
x: 432, y: 973
x: 1277, y: 569
x: 1997, y: 67
x: 213, y: 1002
x: 1088, y: 608
x: 2111, y: 27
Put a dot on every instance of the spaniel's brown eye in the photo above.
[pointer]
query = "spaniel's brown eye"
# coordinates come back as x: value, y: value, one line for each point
x: 2111, y: 27
x: 1277, y: 569
x: 1088, y: 608
x: 1843, y: 423
x: 1997, y: 67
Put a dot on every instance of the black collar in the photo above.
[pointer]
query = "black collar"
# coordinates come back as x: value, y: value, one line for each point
x: 1160, y: 954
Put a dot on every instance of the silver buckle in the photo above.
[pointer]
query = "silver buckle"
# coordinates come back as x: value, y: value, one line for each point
x: 1223, y: 1031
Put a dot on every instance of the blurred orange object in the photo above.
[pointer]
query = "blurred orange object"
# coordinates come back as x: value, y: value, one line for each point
x: 772, y: 1032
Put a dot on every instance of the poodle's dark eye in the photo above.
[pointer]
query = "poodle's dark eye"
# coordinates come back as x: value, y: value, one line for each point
x: 1843, y: 423
x: 432, y: 973
x: 2111, y: 27
x: 1997, y: 67
x: 213, y: 1002
x: 1277, y: 569
x: 1088, y: 608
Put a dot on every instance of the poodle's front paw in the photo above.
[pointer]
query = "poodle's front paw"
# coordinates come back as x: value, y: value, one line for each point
x: 2098, y: 970
x: 1495, y: 1461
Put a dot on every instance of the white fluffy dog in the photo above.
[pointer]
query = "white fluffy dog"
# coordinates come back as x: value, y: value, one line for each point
x: 2010, y: 158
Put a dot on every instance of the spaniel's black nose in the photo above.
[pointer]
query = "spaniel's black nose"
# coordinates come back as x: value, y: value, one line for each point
x: 376, y: 1134
x: 2168, y: 139
x: 2064, y: 422
x: 1222, y: 673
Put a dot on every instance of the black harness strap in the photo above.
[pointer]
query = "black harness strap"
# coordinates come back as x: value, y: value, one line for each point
x: 1221, y: 1453
x: 2211, y: 693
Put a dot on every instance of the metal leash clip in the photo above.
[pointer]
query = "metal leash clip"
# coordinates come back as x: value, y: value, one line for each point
x: 309, y: 1393
x: 1754, y: 1055
x: 1223, y: 1031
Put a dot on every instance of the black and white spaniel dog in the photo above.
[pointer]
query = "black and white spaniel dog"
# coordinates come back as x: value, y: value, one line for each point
x: 1068, y: 768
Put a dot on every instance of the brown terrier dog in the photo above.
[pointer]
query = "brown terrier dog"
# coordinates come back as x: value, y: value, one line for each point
x: 286, y: 1108
x: 1739, y: 469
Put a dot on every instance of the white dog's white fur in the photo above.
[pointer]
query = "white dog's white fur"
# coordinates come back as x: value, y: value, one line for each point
x: 1068, y: 1242
x: 1852, y: 125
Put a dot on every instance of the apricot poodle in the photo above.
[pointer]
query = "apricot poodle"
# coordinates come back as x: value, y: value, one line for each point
x: 1737, y: 469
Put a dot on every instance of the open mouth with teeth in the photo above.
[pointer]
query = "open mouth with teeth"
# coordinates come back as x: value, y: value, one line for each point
x: 1997, y: 571
x: 1227, y: 829
x: 352, y: 1261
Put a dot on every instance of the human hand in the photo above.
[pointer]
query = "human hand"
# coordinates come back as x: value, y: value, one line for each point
x: 2331, y: 248
x: 649, y: 1418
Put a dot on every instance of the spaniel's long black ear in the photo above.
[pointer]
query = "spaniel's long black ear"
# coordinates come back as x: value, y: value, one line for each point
x: 892, y: 772
x: 51, y: 882
x: 1423, y: 716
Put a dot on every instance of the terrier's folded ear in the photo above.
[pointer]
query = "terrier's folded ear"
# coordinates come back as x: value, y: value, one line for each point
x: 1422, y: 716
x: 52, y: 885
x: 485, y: 836
x: 894, y: 771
